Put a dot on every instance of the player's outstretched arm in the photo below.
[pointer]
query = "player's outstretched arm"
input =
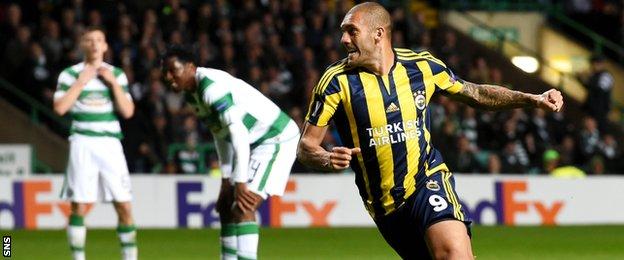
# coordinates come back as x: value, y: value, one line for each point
x: 312, y: 154
x: 492, y: 97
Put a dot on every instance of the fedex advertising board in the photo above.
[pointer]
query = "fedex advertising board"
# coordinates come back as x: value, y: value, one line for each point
x: 317, y: 200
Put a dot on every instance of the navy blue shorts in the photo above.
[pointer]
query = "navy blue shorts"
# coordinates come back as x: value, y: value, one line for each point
x: 435, y: 200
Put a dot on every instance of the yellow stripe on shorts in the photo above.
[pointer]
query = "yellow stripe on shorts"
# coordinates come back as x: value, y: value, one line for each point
x: 451, y: 195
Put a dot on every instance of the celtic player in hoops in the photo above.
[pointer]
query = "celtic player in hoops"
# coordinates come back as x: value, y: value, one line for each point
x: 94, y: 93
x: 256, y: 144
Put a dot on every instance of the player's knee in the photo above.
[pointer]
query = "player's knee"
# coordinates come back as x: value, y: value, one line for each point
x: 124, y: 213
x: 240, y: 216
x: 451, y: 251
x: 79, y: 209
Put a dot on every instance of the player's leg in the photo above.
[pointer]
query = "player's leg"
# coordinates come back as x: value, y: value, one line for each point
x: 401, y: 232
x: 247, y: 230
x: 446, y: 229
x: 80, y: 188
x: 126, y: 230
x: 116, y: 186
x: 449, y: 239
x: 228, y: 225
x: 225, y: 151
x: 76, y: 229
x: 269, y: 169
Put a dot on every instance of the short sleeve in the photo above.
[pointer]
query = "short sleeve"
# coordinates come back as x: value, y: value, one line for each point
x: 444, y: 78
x: 325, y: 100
x: 219, y: 99
x: 64, y: 82
x: 122, y: 80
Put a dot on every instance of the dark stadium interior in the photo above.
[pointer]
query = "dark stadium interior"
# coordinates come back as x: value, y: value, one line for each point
x: 281, y: 48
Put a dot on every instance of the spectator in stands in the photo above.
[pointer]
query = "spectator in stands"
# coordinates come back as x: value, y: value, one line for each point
x: 569, y: 154
x: 533, y: 153
x: 463, y: 160
x: 596, y: 166
x: 52, y: 44
x: 468, y: 126
x: 610, y: 152
x: 39, y: 76
x: 187, y: 159
x: 147, y: 161
x: 16, y: 55
x: 552, y: 166
x: 599, y: 85
x: 589, y: 139
x: 449, y: 46
x: 488, y: 128
x: 13, y: 21
x: 479, y: 70
x: 279, y: 47
x: 424, y: 43
x: 538, y: 126
x: 446, y: 141
x: 494, y: 164
x: 418, y: 28
x: 514, y: 159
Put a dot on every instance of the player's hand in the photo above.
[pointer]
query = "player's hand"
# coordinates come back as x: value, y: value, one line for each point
x: 245, y: 200
x: 551, y: 100
x: 340, y: 157
x: 88, y: 73
x: 106, y: 75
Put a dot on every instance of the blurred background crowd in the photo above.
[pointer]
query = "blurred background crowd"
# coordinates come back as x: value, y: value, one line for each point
x: 281, y: 48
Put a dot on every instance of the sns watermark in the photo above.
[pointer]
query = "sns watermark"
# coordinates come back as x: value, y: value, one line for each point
x: 6, y: 246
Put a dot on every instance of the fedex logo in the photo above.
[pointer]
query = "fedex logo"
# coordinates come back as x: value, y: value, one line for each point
x: 506, y: 206
x: 26, y: 206
x: 186, y: 208
x: 317, y: 214
x: 271, y: 212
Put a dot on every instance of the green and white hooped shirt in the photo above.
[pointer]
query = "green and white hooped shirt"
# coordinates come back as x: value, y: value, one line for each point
x: 238, y: 114
x: 93, y: 112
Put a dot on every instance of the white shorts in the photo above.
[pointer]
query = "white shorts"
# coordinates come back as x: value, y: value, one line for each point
x: 269, y: 167
x: 96, y: 169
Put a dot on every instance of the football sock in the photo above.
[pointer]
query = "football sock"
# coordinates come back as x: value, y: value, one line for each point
x: 228, y: 241
x: 76, y: 236
x: 247, y: 236
x: 127, y: 237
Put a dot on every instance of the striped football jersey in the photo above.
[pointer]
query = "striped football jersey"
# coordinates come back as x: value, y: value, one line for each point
x: 388, y: 117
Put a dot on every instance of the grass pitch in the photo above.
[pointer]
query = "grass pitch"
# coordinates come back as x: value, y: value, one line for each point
x: 575, y: 242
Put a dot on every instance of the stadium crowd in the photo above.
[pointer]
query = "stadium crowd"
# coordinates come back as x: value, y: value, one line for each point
x: 281, y: 48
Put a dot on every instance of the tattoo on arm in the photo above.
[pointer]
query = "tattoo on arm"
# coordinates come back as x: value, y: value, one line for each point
x: 318, y: 159
x: 309, y: 150
x: 492, y: 97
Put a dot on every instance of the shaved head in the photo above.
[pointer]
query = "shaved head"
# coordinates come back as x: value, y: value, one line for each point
x: 366, y: 35
x: 373, y: 14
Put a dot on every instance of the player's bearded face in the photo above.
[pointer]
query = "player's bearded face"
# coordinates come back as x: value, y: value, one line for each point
x: 357, y: 40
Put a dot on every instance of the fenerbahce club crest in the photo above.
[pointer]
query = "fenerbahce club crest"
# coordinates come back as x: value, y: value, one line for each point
x: 432, y: 185
x: 419, y: 99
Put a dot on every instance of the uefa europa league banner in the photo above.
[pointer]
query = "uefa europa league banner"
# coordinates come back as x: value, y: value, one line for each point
x: 317, y: 200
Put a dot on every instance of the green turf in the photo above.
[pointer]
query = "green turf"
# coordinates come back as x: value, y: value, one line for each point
x: 580, y: 242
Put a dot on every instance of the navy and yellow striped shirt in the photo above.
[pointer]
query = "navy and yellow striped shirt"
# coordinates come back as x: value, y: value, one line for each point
x: 388, y: 118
